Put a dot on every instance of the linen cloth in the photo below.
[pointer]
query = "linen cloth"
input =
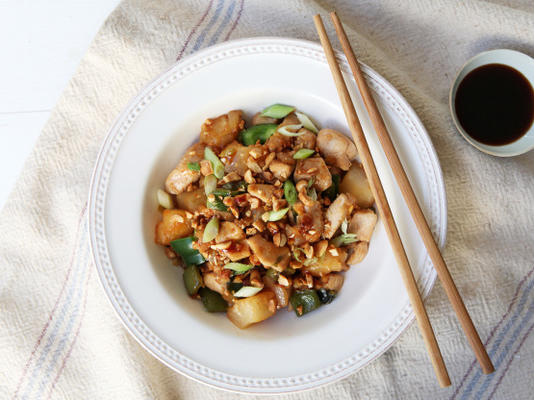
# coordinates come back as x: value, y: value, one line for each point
x: 59, y: 337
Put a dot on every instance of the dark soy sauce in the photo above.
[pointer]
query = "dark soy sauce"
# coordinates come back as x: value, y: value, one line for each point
x: 495, y: 104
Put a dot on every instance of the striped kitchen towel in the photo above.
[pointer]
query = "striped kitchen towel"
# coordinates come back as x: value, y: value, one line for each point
x: 60, y: 339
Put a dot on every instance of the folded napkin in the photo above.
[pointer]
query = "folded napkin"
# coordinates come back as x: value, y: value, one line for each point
x: 59, y: 337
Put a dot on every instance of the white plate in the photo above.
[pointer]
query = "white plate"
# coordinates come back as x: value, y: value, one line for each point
x: 284, y: 353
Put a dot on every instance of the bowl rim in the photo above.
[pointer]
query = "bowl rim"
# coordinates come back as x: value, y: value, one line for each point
x: 498, y: 56
x: 123, y: 119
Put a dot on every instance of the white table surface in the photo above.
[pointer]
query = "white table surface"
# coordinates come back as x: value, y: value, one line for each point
x: 42, y: 43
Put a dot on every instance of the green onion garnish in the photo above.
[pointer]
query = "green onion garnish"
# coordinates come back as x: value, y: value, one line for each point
x: 344, y: 239
x: 274, y: 215
x: 193, y: 166
x: 290, y: 130
x: 211, y: 230
x: 306, y: 122
x: 216, y: 164
x: 290, y: 192
x: 303, y: 154
x: 277, y: 111
x: 238, y: 267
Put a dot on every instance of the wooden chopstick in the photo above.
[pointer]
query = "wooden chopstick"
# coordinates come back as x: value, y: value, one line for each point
x: 409, y: 196
x: 384, y: 210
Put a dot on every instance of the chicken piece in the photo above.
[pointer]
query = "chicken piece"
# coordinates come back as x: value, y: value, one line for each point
x: 310, y: 223
x: 269, y: 254
x: 286, y: 157
x: 314, y: 167
x: 336, y: 148
x: 278, y: 142
x: 174, y: 225
x: 363, y: 224
x: 181, y: 176
x: 217, y: 283
x: 192, y: 201
x: 337, y: 212
x: 281, y: 170
x: 333, y: 260
x: 306, y: 140
x: 222, y: 130
x: 237, y: 251
x: 357, y: 252
x: 262, y: 191
x: 236, y: 158
x: 259, y: 119
x: 333, y: 281
x: 229, y: 231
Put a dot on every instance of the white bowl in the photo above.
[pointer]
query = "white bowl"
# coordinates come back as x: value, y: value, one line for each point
x: 284, y: 353
x: 522, y: 63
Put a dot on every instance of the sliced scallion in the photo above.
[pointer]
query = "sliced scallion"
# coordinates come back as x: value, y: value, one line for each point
x: 164, y: 199
x: 260, y: 132
x: 303, y: 154
x: 344, y: 239
x: 290, y: 130
x: 217, y: 204
x: 238, y: 267
x: 193, y: 166
x: 306, y: 122
x: 216, y: 164
x: 210, y: 184
x: 211, y: 230
x: 290, y: 192
x: 247, y: 291
x: 274, y: 215
x: 277, y: 111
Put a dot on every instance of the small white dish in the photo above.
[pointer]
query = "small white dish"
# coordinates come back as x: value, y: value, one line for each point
x: 285, y: 353
x: 515, y: 59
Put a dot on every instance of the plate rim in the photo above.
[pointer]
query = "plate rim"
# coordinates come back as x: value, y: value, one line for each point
x: 136, y: 327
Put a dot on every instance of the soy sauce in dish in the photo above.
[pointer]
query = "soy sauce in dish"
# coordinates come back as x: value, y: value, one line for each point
x: 495, y: 104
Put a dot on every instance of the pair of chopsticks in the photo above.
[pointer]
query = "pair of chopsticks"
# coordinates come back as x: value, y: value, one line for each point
x: 383, y: 207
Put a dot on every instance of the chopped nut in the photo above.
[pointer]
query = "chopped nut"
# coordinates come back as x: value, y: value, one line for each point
x: 169, y: 253
x: 309, y: 280
x: 231, y: 177
x: 280, y: 239
x: 320, y: 248
x: 256, y: 152
x: 248, y: 177
x: 234, y: 211
x: 333, y: 251
x: 221, y: 246
x: 308, y: 251
x: 259, y: 225
x: 188, y: 215
x: 267, y: 175
x: 273, y: 228
x: 251, y: 231
x: 269, y: 159
x: 228, y: 201
x: 278, y: 203
x: 277, y: 183
x: 248, y: 213
x: 206, y: 168
x: 211, y: 198
x: 295, y: 264
x: 254, y: 203
x: 283, y: 281
x: 253, y: 165
x: 301, y: 185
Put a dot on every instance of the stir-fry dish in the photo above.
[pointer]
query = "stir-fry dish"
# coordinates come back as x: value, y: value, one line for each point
x: 266, y: 216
